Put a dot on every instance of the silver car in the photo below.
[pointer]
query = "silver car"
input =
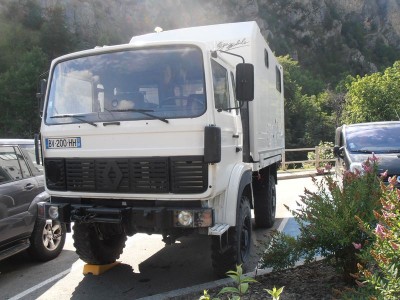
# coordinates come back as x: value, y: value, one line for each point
x: 21, y: 188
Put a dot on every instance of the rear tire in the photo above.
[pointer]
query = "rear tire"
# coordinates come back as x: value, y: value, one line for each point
x: 265, y: 203
x: 239, y: 241
x: 98, y: 247
x: 47, y: 241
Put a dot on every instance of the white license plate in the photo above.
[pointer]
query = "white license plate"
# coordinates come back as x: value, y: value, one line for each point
x: 60, y: 143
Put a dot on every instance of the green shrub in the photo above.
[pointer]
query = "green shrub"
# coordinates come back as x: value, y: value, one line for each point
x: 379, y: 274
x: 325, y: 152
x: 242, y: 285
x: 327, y: 222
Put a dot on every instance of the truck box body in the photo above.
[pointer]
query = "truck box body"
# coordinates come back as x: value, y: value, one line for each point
x: 266, y: 113
x: 151, y: 137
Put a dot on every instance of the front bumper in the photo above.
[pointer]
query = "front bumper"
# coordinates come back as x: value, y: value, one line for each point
x: 133, y: 219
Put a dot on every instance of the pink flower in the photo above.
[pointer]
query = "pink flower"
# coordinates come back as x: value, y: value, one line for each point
x: 389, y: 215
x: 394, y: 246
x: 384, y: 174
x: 367, y: 168
x: 328, y: 166
x: 389, y: 206
x: 380, y: 231
x: 392, y: 180
x: 374, y: 158
x: 357, y: 246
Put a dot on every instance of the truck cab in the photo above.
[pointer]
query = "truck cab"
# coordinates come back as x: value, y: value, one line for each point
x: 161, y: 136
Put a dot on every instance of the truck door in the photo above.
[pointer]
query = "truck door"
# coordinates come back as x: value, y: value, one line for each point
x: 226, y: 118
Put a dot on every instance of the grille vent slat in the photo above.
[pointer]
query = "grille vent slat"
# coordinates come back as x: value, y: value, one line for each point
x: 180, y: 175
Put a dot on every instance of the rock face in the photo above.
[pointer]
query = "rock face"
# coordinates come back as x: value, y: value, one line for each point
x: 350, y: 32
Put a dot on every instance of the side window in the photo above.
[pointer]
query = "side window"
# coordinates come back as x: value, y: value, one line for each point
x: 221, y: 86
x: 234, y: 91
x: 12, y: 164
x: 278, y: 79
x: 266, y: 58
x: 29, y: 153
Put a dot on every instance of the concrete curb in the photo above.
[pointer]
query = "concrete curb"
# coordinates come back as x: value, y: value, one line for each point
x: 294, y: 175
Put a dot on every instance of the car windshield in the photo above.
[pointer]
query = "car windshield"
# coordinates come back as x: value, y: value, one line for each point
x: 378, y: 138
x: 154, y: 83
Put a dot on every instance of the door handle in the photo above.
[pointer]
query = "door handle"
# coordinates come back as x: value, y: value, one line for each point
x: 29, y: 186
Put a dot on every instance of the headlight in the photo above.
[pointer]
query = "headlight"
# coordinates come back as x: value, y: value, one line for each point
x: 53, y: 212
x: 194, y: 218
x: 356, y: 166
x: 185, y: 218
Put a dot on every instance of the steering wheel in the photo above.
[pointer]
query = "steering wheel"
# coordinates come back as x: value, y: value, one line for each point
x: 171, y: 100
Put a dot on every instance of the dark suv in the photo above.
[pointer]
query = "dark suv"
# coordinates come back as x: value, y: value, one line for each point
x: 355, y: 143
x: 21, y: 188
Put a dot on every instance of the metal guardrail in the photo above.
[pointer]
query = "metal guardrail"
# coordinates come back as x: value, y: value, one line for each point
x: 316, y: 162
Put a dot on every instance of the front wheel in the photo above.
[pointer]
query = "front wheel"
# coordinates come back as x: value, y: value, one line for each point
x: 237, y: 251
x: 98, y: 244
x: 47, y: 240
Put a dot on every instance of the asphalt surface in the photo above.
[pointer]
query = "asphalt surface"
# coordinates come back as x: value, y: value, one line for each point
x: 288, y: 225
x: 147, y: 267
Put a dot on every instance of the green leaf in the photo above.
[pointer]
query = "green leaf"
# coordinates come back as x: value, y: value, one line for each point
x: 229, y: 289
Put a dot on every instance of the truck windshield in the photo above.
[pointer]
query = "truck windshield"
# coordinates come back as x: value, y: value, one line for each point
x: 378, y: 138
x: 165, y: 83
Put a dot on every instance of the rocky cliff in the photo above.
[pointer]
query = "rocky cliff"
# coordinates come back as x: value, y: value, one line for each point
x: 330, y: 37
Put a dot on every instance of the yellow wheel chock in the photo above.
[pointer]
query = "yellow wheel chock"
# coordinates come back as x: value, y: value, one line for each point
x: 98, y: 269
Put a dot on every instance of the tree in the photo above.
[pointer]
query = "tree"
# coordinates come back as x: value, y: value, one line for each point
x: 18, y: 86
x: 374, y: 97
x: 55, y: 37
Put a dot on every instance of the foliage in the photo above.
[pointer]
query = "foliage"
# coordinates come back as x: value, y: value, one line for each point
x: 55, y: 38
x: 374, y: 97
x: 20, y: 115
x: 327, y: 222
x: 379, y: 274
x: 308, y: 119
x: 325, y: 152
x: 242, y: 285
x: 275, y: 293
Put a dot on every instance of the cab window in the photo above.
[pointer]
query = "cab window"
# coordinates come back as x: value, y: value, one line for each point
x: 221, y: 86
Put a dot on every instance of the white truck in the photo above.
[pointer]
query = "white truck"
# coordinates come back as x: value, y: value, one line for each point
x: 178, y: 132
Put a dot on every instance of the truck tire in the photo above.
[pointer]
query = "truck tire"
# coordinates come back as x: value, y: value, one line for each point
x: 239, y: 242
x: 265, y: 203
x: 47, y: 241
x: 96, y: 250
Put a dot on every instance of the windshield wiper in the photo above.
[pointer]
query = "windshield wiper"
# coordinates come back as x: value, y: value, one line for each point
x: 80, y: 118
x: 362, y: 151
x: 390, y: 151
x: 142, y: 111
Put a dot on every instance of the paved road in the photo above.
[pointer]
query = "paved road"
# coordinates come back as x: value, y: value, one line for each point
x: 147, y: 267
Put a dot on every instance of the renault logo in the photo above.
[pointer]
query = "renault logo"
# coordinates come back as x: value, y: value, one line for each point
x: 112, y: 175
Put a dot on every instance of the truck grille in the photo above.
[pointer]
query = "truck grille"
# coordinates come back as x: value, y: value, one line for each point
x: 180, y: 175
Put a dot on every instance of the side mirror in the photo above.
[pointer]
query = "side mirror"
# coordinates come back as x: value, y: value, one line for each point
x: 41, y: 95
x: 245, y: 82
x: 37, y: 148
x: 338, y: 151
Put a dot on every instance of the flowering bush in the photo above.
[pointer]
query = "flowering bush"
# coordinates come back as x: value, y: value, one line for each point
x: 325, y: 153
x: 328, y: 223
x: 379, y: 276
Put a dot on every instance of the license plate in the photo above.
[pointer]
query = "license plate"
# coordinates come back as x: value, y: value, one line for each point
x: 60, y: 143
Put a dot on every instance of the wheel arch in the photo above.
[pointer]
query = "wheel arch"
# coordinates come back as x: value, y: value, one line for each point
x: 239, y: 183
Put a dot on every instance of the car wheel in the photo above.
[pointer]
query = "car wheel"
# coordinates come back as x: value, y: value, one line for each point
x: 47, y: 240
